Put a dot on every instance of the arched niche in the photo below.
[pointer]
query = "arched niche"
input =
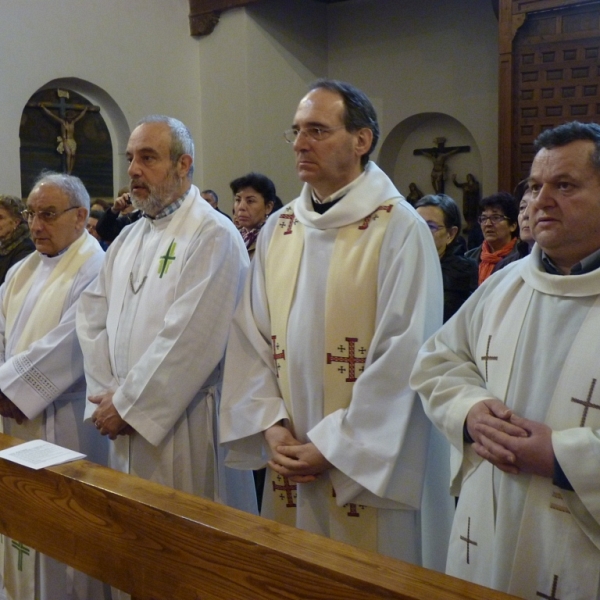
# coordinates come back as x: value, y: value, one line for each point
x: 113, y: 120
x: 396, y: 156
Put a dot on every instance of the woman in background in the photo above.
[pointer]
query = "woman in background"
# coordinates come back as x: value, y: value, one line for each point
x: 458, y: 273
x: 254, y: 200
x: 15, y: 241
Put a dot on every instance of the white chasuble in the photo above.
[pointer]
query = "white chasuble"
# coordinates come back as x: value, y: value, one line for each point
x: 153, y: 331
x: 530, y: 340
x: 42, y: 371
x: 325, y: 336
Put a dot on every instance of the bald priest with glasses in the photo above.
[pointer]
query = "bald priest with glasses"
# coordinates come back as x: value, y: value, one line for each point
x: 42, y: 386
x: 344, y: 287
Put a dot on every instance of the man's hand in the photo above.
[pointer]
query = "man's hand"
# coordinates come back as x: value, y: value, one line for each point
x: 121, y: 203
x: 106, y: 418
x: 299, y: 462
x: 532, y: 454
x: 10, y: 410
x: 493, y: 415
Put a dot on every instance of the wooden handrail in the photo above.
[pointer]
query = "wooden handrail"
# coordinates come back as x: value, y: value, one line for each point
x: 156, y: 543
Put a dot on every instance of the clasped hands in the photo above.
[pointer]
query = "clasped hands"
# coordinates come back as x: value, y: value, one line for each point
x: 299, y: 462
x: 511, y: 443
x: 106, y: 418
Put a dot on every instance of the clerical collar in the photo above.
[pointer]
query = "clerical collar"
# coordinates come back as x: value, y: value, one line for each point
x: 587, y: 265
x: 168, y: 210
x: 322, y: 206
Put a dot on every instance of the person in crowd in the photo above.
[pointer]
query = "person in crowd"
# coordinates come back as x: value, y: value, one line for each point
x: 525, y: 243
x: 120, y: 214
x: 213, y: 199
x: 498, y: 220
x: 254, y: 198
x: 459, y: 273
x: 511, y: 381
x: 42, y: 387
x: 100, y: 204
x: 95, y: 216
x: 344, y: 287
x: 15, y: 239
x: 154, y: 325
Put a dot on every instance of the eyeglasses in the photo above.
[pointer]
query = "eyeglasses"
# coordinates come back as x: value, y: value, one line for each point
x: 46, y: 216
x: 494, y: 219
x: 317, y: 134
x: 434, y: 226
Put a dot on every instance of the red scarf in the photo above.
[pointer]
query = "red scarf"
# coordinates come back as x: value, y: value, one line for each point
x: 489, y: 258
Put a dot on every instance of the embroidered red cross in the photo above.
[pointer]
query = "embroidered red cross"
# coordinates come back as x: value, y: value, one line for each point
x: 288, y: 488
x: 276, y: 356
x: 351, y: 359
x: 373, y: 216
x: 291, y: 218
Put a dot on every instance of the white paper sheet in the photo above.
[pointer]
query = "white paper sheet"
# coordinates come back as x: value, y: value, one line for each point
x: 39, y: 454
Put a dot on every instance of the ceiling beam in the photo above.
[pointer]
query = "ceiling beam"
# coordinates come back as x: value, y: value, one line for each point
x: 204, y: 14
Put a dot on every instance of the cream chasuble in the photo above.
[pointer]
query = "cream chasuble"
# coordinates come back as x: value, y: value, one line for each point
x: 522, y: 534
x: 39, y: 319
x: 325, y: 336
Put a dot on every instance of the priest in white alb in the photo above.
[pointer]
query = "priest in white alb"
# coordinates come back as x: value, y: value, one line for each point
x: 511, y: 380
x: 153, y: 328
x: 42, y: 386
x: 343, y: 289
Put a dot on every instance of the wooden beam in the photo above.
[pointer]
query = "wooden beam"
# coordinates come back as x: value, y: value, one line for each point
x: 156, y: 543
x: 204, y: 14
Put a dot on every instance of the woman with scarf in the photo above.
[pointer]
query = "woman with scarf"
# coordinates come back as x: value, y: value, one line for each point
x: 498, y: 220
x: 15, y: 241
x: 254, y: 200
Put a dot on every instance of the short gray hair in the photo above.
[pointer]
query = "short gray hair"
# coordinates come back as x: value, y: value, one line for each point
x: 181, y: 138
x: 72, y: 187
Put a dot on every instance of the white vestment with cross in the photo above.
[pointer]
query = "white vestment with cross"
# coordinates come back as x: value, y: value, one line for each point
x: 378, y: 444
x: 531, y: 340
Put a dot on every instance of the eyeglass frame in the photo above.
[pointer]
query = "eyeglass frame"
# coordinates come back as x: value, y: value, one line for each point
x: 493, y: 219
x: 296, y: 131
x: 434, y: 227
x: 50, y: 215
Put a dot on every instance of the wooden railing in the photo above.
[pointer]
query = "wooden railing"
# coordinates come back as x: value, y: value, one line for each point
x: 157, y: 543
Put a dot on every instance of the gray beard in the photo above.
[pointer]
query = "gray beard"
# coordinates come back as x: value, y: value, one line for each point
x: 159, y: 196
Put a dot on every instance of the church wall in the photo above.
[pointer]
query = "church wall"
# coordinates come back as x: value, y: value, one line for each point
x: 137, y: 55
x: 437, y: 57
x: 266, y: 55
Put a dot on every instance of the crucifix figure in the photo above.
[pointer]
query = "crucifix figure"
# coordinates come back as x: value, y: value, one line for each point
x: 439, y: 155
x: 68, y: 115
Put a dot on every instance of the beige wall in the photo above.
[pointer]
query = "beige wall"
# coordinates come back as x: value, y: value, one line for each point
x: 238, y: 88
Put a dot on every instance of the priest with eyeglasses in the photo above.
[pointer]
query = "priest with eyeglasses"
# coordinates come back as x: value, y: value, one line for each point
x: 41, y: 365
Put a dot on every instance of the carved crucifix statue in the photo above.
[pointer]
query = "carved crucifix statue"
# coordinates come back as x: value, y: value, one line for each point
x: 439, y: 155
x: 67, y: 117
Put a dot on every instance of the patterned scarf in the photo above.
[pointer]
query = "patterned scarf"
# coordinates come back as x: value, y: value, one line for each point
x: 489, y: 258
x: 249, y: 235
x: 20, y: 233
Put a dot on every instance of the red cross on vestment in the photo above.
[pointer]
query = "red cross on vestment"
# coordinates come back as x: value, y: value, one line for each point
x: 373, y: 216
x: 290, y: 217
x: 288, y: 488
x: 353, y: 509
x: 351, y: 359
x: 277, y: 356
x: 468, y: 540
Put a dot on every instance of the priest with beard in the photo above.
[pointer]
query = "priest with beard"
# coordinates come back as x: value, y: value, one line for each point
x: 153, y: 327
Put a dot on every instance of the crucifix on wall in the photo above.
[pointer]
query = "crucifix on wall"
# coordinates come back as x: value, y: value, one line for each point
x: 67, y: 116
x: 439, y: 155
